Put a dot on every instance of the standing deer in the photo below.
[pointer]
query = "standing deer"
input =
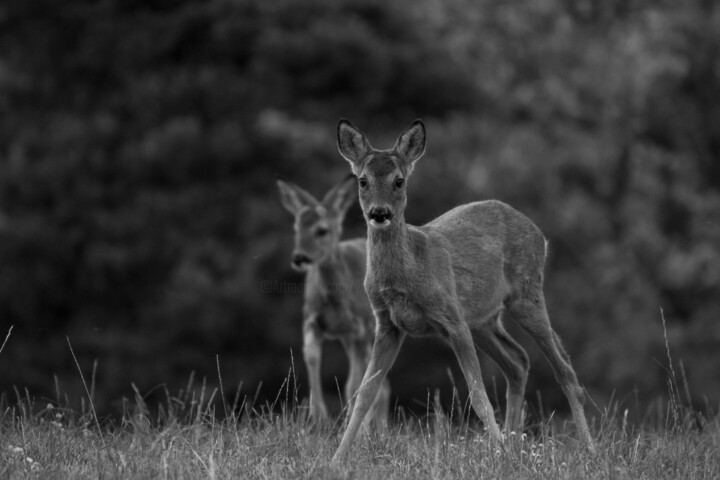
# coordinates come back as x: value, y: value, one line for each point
x: 335, y: 303
x: 463, y: 272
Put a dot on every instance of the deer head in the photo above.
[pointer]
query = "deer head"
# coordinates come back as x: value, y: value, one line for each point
x: 381, y: 174
x: 318, y: 224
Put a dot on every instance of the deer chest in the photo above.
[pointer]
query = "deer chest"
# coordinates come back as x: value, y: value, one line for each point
x: 407, y: 313
x: 338, y: 317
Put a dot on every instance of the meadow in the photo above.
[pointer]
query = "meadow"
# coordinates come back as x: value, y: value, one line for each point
x: 195, y: 433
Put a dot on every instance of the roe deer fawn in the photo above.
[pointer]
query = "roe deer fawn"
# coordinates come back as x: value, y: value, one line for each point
x: 335, y: 303
x: 464, y: 271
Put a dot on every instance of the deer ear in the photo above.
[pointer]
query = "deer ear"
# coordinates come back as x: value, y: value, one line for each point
x: 352, y: 144
x: 341, y: 196
x: 294, y: 198
x: 410, y: 145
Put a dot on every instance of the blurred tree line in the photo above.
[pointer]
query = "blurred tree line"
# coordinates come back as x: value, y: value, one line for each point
x: 139, y: 142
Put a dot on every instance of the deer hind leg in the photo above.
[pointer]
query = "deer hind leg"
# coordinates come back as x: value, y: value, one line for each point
x: 312, y: 351
x: 461, y: 342
x: 533, y: 317
x: 514, y: 363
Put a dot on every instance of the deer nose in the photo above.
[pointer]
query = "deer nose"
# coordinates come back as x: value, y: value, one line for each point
x: 380, y: 214
x: 299, y: 260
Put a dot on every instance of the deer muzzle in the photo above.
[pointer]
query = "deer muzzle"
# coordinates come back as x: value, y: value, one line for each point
x: 379, y: 216
x: 300, y: 261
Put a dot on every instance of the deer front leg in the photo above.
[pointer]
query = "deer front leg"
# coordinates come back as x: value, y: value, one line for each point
x: 358, y: 360
x: 512, y: 359
x: 381, y: 407
x: 387, y: 344
x: 359, y: 353
x: 462, y: 344
x: 312, y: 351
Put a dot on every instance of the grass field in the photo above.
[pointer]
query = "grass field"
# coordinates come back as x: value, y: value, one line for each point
x: 195, y: 435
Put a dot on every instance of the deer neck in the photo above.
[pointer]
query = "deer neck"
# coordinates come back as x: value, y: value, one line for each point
x: 329, y: 272
x: 389, y: 251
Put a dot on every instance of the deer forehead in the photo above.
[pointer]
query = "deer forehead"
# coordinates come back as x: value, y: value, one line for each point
x: 309, y: 217
x: 382, y: 165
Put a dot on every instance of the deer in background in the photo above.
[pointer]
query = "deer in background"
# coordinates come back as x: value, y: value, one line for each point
x: 335, y: 304
x: 457, y: 277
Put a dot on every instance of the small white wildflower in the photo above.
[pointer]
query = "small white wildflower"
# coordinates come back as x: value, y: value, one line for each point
x: 33, y: 464
x: 19, y: 450
x: 512, y: 434
x: 49, y: 406
x: 523, y: 436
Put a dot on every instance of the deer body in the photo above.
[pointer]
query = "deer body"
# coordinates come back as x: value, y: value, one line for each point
x: 456, y: 277
x: 457, y: 259
x: 335, y: 304
x: 333, y: 294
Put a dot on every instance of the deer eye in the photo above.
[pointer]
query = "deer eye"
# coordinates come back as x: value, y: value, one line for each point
x: 399, y: 182
x: 363, y: 182
x: 321, y: 232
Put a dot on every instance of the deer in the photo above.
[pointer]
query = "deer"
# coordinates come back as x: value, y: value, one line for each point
x: 335, y: 305
x: 457, y: 277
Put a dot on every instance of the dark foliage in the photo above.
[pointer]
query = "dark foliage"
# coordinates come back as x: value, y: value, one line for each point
x: 139, y: 142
